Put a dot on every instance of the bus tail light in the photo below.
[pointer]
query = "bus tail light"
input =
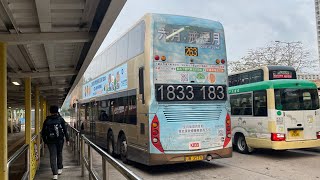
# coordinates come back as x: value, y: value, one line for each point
x: 228, y: 131
x: 155, y: 133
x: 163, y: 58
x: 223, y: 61
x: 318, y: 135
x: 278, y: 137
x: 218, y: 61
x: 156, y: 57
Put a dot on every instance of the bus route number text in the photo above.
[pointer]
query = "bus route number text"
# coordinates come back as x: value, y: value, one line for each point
x: 188, y: 92
x: 191, y: 51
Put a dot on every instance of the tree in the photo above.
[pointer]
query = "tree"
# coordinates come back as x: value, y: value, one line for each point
x: 277, y: 53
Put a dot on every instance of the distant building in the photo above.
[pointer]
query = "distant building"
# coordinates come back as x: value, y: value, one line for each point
x: 311, y: 77
x: 318, y: 22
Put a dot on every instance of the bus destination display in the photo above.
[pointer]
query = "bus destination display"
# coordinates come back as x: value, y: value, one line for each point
x: 190, y: 92
x: 281, y: 75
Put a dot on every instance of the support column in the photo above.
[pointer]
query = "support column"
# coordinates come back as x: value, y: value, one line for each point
x: 42, y: 120
x: 3, y: 112
x: 37, y: 119
x: 27, y: 102
x: 45, y: 110
x: 42, y: 112
x: 11, y: 121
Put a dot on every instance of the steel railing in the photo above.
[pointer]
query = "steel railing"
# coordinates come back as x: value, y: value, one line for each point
x: 18, y: 154
x: 106, y: 158
x: 74, y: 136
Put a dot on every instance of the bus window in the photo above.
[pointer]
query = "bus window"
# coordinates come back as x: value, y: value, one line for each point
x: 260, y: 103
x: 111, y: 109
x: 256, y: 76
x: 87, y: 112
x: 132, y: 111
x: 296, y: 99
x: 244, y: 78
x: 141, y: 83
x: 95, y: 111
x: 241, y: 104
x: 103, y: 110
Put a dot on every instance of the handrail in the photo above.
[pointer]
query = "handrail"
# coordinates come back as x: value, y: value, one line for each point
x: 34, y: 137
x: 16, y: 155
x: 74, y: 136
x: 121, y: 168
x: 74, y: 129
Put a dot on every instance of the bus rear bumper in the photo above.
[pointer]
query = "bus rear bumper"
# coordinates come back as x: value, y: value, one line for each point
x: 169, y: 158
x: 282, y: 145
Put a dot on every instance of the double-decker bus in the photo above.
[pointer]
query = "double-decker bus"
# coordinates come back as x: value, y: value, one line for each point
x: 275, y: 114
x: 161, y: 97
x: 262, y: 73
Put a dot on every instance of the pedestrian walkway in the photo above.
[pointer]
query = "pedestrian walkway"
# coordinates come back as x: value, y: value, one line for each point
x: 71, y: 170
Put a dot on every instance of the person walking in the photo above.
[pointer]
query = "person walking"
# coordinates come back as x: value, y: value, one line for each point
x: 53, y: 132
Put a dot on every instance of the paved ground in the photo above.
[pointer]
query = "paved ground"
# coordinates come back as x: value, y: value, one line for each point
x: 263, y: 164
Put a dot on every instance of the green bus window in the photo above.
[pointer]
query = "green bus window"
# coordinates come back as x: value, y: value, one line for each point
x: 296, y: 99
x: 241, y: 104
x: 260, y: 103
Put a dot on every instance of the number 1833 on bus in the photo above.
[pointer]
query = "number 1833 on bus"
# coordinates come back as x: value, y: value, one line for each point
x: 190, y: 92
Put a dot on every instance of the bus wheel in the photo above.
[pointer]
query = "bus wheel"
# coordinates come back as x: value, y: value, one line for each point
x: 110, y: 144
x: 124, y: 149
x: 242, y: 145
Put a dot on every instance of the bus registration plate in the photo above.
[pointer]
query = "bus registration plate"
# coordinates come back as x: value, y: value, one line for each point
x: 293, y: 134
x: 194, y: 158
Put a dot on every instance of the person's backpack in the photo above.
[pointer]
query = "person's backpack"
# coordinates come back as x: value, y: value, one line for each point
x: 54, y: 130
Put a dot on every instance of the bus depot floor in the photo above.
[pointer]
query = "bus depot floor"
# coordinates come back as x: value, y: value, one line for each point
x: 262, y: 164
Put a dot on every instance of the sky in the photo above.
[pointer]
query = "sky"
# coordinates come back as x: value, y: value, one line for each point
x: 248, y: 24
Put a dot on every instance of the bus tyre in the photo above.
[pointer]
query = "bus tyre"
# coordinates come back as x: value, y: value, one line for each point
x: 110, y: 144
x: 242, y: 145
x: 124, y: 149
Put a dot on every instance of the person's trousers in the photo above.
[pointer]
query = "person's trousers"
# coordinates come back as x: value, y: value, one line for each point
x: 56, y: 156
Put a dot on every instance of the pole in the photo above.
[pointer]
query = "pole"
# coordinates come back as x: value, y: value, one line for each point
x: 27, y: 101
x: 45, y: 110
x: 37, y: 119
x: 11, y: 121
x: 3, y: 112
x: 42, y: 120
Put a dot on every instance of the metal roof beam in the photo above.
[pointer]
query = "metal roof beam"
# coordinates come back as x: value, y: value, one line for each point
x: 15, y: 54
x: 43, y: 74
x: 40, y: 38
x: 13, y: 95
x: 8, y: 17
x: 41, y: 88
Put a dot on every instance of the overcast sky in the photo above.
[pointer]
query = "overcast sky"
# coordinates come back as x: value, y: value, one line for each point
x: 248, y: 24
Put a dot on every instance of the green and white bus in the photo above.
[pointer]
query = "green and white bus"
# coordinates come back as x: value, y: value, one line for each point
x: 275, y: 114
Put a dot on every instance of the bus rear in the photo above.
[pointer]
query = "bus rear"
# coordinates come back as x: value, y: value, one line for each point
x: 297, y: 116
x: 189, y: 119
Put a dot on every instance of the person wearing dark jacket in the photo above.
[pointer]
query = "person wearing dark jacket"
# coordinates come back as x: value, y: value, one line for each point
x: 53, y: 132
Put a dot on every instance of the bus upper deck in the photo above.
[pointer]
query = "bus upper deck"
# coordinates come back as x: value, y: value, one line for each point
x: 261, y: 74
